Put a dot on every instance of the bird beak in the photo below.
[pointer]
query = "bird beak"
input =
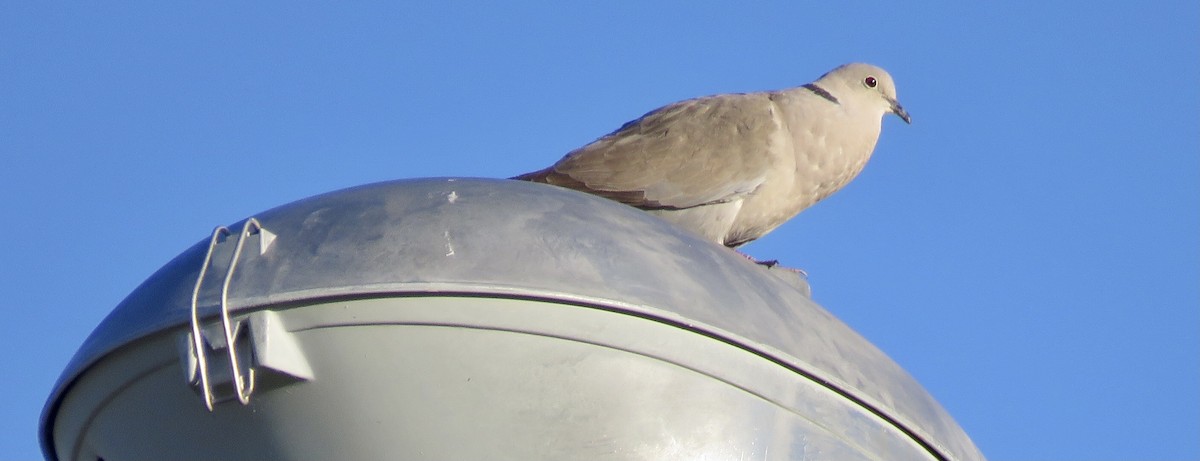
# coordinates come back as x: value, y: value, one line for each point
x: 899, y: 111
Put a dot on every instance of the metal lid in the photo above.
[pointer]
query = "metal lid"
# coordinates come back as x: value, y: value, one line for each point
x: 458, y: 236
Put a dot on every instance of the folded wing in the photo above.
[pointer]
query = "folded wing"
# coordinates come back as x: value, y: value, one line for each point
x: 690, y: 153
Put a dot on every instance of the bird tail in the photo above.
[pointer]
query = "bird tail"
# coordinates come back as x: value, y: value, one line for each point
x: 536, y: 176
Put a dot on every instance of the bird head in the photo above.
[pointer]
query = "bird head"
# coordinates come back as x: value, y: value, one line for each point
x: 865, y: 85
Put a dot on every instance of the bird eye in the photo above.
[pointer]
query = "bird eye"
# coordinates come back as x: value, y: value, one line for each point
x: 870, y: 82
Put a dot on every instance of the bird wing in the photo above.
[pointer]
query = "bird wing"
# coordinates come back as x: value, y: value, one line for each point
x: 699, y: 151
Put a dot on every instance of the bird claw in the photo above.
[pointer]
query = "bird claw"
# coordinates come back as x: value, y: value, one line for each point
x: 774, y: 264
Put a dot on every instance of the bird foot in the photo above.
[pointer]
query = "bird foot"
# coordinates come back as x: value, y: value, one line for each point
x: 774, y: 264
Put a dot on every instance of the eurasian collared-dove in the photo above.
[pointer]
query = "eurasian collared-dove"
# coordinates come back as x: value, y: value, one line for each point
x: 733, y: 167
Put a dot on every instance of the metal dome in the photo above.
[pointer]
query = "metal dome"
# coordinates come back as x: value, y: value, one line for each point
x: 522, y: 287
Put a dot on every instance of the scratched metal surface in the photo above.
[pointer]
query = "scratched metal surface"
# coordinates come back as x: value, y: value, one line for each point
x: 516, y: 240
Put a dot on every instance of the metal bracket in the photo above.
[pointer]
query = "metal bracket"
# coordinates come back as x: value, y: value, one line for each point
x: 270, y: 344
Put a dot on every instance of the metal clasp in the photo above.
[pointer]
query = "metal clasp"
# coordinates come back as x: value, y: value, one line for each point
x: 243, y: 381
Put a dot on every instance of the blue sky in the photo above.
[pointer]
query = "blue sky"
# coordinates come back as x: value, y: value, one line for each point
x: 1029, y: 249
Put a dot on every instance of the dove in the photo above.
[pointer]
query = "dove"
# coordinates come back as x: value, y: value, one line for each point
x: 733, y: 167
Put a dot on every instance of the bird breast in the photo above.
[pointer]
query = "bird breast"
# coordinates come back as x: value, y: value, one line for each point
x: 814, y: 154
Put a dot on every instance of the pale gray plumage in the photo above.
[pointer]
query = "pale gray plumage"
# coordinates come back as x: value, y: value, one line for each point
x: 733, y: 167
